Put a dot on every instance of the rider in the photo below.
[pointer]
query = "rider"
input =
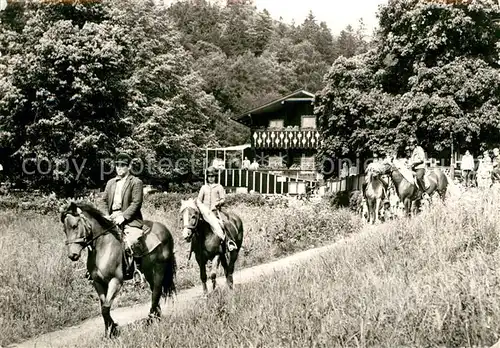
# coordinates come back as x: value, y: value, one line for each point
x: 210, y: 199
x: 418, y: 164
x: 122, y: 201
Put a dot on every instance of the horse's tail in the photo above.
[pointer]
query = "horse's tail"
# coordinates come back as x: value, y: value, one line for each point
x: 168, y: 287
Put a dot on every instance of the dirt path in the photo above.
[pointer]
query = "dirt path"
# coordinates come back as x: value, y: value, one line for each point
x: 127, y: 315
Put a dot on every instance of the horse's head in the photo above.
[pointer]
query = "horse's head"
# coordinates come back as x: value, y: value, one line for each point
x: 77, y: 229
x: 189, y: 217
x: 387, y: 165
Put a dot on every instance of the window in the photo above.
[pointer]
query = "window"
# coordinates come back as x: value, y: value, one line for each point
x: 307, y: 163
x: 276, y: 124
x: 309, y: 121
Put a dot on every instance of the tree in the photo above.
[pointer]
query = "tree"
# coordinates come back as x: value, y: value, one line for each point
x: 432, y: 72
x: 76, y: 92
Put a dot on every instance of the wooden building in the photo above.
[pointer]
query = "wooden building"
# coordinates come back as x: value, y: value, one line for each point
x: 284, y: 137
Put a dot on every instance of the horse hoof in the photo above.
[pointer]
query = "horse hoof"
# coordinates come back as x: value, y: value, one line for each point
x: 153, y: 317
x: 113, y: 331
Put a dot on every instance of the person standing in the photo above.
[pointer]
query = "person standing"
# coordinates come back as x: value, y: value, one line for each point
x: 467, y: 167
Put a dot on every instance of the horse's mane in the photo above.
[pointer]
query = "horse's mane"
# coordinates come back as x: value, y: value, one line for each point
x: 95, y: 213
x: 90, y: 209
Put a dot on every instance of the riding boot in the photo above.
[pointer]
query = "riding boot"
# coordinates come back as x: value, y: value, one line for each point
x: 129, y: 265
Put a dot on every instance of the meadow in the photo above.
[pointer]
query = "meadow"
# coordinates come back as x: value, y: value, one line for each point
x: 41, y: 290
x: 431, y: 281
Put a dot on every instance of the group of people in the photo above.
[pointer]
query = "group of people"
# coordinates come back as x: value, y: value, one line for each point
x: 487, y: 171
x: 122, y: 201
x: 218, y: 163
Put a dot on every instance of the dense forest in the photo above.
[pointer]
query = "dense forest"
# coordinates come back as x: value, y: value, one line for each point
x: 431, y: 74
x: 79, y: 82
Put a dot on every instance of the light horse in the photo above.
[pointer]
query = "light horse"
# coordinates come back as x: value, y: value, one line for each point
x: 407, y: 191
x: 206, y: 245
x: 85, y: 226
x: 375, y: 191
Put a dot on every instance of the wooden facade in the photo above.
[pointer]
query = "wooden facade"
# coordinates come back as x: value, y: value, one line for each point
x: 264, y: 182
x: 284, y: 136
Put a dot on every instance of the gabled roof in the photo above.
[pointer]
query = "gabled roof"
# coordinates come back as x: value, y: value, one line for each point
x: 299, y: 95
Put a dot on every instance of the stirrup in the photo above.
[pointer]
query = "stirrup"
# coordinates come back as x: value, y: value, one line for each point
x: 231, y: 245
x: 138, y: 277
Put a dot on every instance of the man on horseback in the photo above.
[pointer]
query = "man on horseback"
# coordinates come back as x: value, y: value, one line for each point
x: 122, y: 201
x: 417, y: 161
x: 210, y: 199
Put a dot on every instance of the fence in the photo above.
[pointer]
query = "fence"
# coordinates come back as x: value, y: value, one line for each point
x: 355, y: 182
x: 349, y: 183
x: 262, y: 182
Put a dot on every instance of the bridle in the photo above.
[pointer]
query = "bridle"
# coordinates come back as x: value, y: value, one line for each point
x: 193, y: 226
x: 87, y: 238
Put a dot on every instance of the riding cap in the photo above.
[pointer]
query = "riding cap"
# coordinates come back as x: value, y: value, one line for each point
x: 123, y: 158
x: 211, y: 171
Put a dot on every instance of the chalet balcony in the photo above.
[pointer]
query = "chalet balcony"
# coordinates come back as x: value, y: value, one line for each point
x: 286, y: 138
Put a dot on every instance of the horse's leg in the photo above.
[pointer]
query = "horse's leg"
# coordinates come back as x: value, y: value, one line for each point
x: 114, y: 287
x: 229, y: 267
x: 203, y: 273
x: 213, y: 273
x: 156, y: 289
x: 377, y: 208
x: 154, y: 276
x: 369, y: 204
x: 407, y: 202
x: 102, y: 289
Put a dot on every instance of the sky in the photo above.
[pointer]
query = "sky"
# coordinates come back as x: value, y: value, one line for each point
x: 337, y: 14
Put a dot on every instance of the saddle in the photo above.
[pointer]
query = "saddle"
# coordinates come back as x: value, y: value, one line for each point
x: 411, y: 176
x: 146, y: 243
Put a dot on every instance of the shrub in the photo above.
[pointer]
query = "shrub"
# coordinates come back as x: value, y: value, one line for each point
x: 337, y: 199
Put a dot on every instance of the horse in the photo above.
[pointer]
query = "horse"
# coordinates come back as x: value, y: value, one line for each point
x: 408, y: 191
x: 375, y: 191
x: 86, y: 227
x: 206, y: 245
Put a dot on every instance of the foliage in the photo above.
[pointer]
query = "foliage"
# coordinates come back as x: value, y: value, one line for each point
x: 246, y: 58
x: 42, y: 290
x: 431, y: 281
x: 338, y: 199
x: 80, y: 82
x: 433, y: 72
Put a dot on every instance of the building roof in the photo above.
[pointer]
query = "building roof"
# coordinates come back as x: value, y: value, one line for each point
x: 299, y: 95
x: 230, y: 148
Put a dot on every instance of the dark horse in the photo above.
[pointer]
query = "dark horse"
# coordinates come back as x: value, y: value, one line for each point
x: 407, y: 191
x: 206, y: 245
x: 85, y: 226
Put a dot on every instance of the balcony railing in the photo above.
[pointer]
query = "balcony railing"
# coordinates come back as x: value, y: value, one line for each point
x: 286, y: 138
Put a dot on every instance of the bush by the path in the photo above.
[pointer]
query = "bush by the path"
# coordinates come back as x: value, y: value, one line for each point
x: 42, y: 290
x: 432, y: 281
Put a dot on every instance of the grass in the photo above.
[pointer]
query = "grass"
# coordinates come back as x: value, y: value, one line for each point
x: 431, y: 281
x: 41, y: 290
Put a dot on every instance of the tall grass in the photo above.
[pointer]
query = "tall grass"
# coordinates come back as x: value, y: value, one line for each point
x: 42, y: 290
x: 426, y: 282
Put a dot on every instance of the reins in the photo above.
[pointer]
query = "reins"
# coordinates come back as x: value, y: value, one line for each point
x: 83, y: 241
